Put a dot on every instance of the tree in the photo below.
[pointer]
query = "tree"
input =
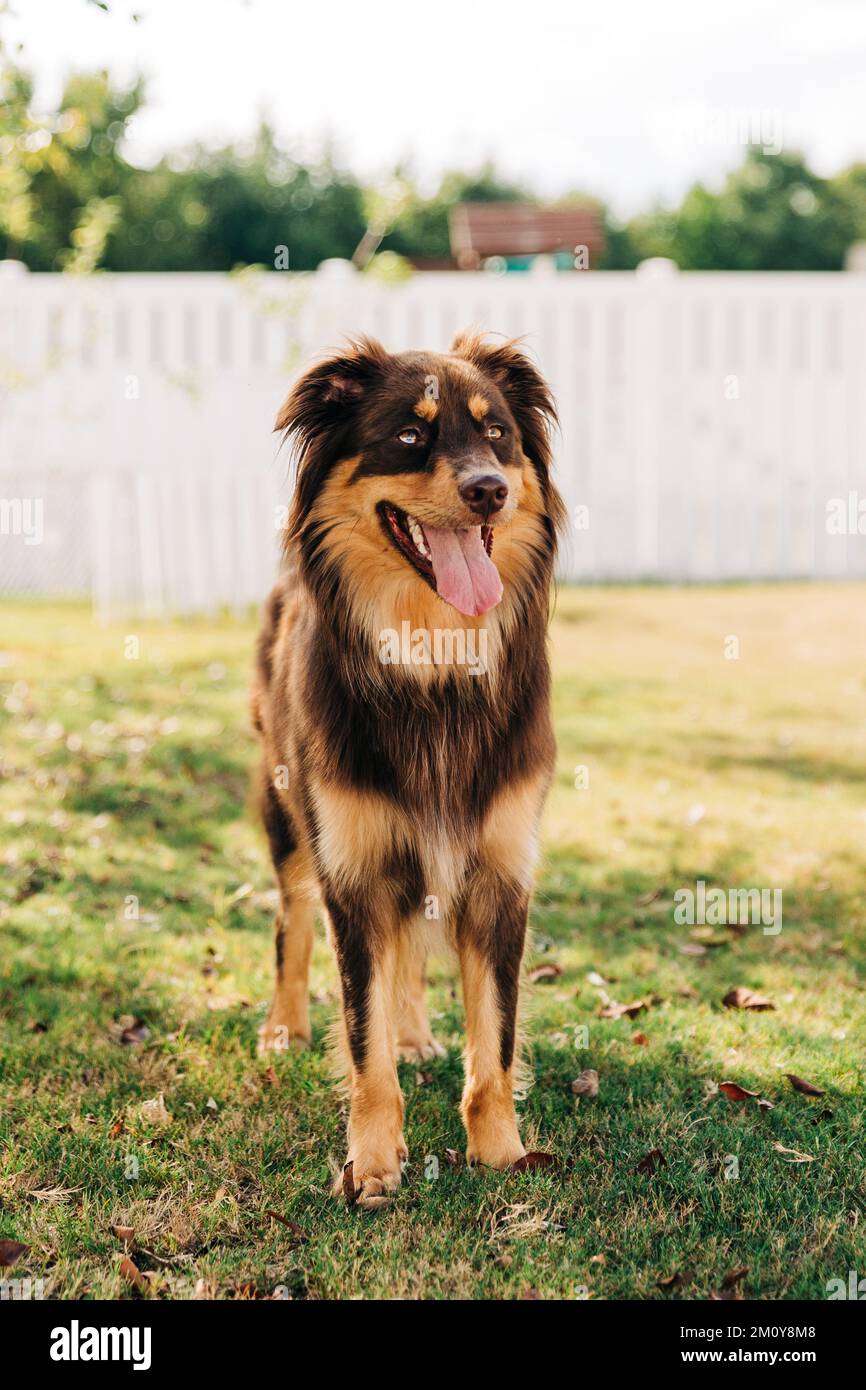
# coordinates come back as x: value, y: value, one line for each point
x: 63, y: 175
x: 773, y: 213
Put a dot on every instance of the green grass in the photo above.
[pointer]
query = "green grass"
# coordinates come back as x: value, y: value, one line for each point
x: 125, y: 780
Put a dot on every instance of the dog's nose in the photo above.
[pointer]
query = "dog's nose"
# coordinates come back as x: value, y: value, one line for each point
x: 485, y: 493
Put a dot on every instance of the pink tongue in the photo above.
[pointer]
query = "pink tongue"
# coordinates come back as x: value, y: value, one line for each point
x: 465, y: 575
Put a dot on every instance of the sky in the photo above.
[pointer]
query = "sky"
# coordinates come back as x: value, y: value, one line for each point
x: 631, y: 100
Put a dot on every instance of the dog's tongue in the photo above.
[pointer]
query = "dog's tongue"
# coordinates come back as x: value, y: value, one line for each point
x: 465, y: 575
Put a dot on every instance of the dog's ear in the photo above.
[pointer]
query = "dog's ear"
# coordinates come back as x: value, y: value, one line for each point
x: 530, y: 399
x: 319, y: 413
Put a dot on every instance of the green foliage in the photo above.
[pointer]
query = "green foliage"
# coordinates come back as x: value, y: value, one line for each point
x: 773, y: 213
x: 69, y: 199
x: 421, y: 226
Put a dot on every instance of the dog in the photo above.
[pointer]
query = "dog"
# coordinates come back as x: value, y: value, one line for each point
x: 403, y: 791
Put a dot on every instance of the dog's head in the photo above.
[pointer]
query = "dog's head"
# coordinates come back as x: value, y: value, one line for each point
x: 425, y: 469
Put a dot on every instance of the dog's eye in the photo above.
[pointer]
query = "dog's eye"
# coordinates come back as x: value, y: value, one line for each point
x: 409, y: 436
x: 494, y: 432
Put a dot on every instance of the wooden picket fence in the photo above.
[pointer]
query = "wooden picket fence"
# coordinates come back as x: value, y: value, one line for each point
x: 708, y: 421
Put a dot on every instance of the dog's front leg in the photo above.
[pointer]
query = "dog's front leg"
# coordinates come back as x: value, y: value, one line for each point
x: 490, y: 941
x: 366, y: 946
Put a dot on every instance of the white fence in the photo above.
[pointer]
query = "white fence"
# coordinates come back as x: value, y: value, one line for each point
x: 708, y: 421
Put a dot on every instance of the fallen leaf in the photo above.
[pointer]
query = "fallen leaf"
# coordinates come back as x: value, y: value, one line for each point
x: 734, y: 1276
x: 743, y: 998
x: 646, y: 898
x: 734, y: 1091
x: 153, y: 1112
x: 765, y: 1104
x: 132, y: 1274
x: 798, y: 1157
x: 615, y: 1010
x: 10, y: 1251
x: 651, y: 1161
x: 691, y: 948
x: 534, y: 1161
x: 640, y: 1039
x: 598, y: 1260
x: 270, y: 1077
x: 296, y: 1230
x: 504, y: 1261
x: 593, y: 978
x: 124, y: 1233
x: 453, y: 1159
x: 116, y: 1129
x: 136, y: 1033
x: 348, y: 1184
x: 726, y: 1296
x: 586, y: 1084
x: 549, y: 971
x: 804, y: 1087
x: 423, y: 1078
x: 531, y: 1296
x: 677, y: 1280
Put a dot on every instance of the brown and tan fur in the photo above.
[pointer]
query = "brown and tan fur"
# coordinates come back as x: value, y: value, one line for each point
x: 387, y: 790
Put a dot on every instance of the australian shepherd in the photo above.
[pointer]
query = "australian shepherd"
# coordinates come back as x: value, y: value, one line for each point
x: 402, y: 695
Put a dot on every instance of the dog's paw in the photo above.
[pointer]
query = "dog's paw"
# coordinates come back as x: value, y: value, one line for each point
x: 493, y: 1153
x: 367, y: 1183
x: 278, y: 1037
x: 421, y: 1049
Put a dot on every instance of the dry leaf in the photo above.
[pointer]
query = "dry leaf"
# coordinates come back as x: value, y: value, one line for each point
x: 549, y: 971
x: 136, y: 1033
x: 10, y: 1251
x: 453, y: 1159
x: 586, y: 1084
x: 124, y: 1233
x: 296, y: 1230
x: 691, y: 948
x: 598, y: 1260
x: 804, y: 1087
x: 674, y: 1281
x: 270, y: 1077
x: 593, y: 978
x: 640, y: 1039
x: 743, y: 998
x: 153, y: 1112
x: 348, y: 1183
x: 532, y: 1162
x: 615, y: 1010
x: 734, y: 1276
x: 423, y: 1078
x: 726, y: 1296
x: 734, y: 1091
x: 797, y: 1157
x: 132, y: 1274
x: 651, y: 1161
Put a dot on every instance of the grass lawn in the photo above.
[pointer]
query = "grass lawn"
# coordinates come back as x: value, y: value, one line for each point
x: 135, y: 962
